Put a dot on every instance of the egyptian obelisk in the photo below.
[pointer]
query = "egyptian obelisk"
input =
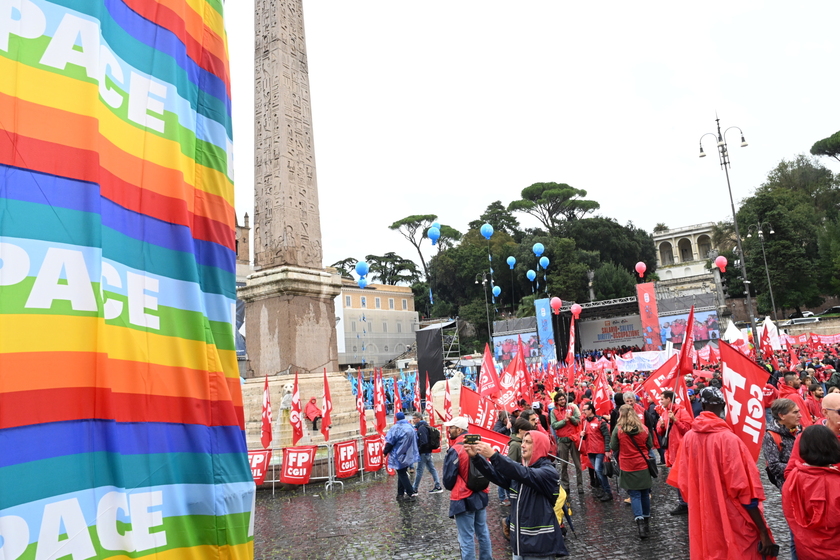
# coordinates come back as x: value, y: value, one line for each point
x: 290, y: 310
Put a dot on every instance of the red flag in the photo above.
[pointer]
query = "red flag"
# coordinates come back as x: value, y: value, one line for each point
x: 326, y: 408
x: 346, y: 459
x: 663, y: 378
x: 430, y: 405
x: 379, y: 402
x: 526, y: 383
x: 488, y: 381
x: 601, y: 398
x: 397, y: 399
x: 764, y: 342
x: 417, y: 401
x: 570, y: 355
x: 686, y: 363
x: 447, y: 404
x: 297, y: 464
x: 259, y: 464
x: 295, y: 418
x: 360, y: 405
x: 266, y: 435
x: 509, y: 382
x: 743, y: 384
x: 497, y: 441
x: 479, y: 410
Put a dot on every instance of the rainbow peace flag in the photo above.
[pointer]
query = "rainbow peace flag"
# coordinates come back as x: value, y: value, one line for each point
x: 121, y: 423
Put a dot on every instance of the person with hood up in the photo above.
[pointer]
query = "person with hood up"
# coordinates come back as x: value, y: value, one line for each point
x: 718, y: 477
x: 811, y: 495
x: 401, y: 450
x: 534, y: 529
x: 790, y: 390
x: 313, y: 413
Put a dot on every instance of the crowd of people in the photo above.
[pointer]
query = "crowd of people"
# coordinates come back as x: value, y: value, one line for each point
x: 716, y: 481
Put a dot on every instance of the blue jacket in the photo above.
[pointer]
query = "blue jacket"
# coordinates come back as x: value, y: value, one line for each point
x: 401, y: 445
x: 534, y: 529
x: 423, y: 445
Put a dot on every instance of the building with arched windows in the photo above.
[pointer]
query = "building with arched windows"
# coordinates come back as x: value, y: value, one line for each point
x: 682, y: 252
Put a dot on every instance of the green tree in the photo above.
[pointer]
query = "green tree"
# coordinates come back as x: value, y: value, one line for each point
x: 723, y: 236
x: 807, y: 176
x: 611, y: 282
x: 829, y: 147
x: 500, y: 218
x: 553, y: 204
x: 621, y: 245
x: 344, y: 267
x: 414, y: 229
x: 391, y: 269
x: 449, y: 236
x: 660, y: 227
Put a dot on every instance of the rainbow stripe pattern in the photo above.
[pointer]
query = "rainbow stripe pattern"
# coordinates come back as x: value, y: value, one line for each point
x: 121, y: 420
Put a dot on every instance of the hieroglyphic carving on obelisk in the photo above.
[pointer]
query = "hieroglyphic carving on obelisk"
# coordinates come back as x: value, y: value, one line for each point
x: 287, y: 228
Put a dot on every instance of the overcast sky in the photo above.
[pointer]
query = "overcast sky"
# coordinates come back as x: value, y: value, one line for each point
x: 443, y: 107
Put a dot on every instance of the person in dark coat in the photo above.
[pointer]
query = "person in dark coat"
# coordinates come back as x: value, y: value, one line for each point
x: 534, y: 529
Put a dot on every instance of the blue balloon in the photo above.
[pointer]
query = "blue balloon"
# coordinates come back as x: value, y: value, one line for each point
x: 487, y: 231
x: 433, y: 234
x: 436, y: 225
x: 362, y: 282
x: 538, y: 249
x: 531, y: 275
x: 544, y: 262
x: 362, y: 268
x: 511, y: 261
x: 496, y: 291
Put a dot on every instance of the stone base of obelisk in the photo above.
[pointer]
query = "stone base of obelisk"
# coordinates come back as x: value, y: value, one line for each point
x: 290, y: 320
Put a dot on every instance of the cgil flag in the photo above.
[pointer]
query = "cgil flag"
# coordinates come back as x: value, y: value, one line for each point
x: 295, y: 417
x: 360, y: 405
x: 488, y: 382
x: 447, y: 404
x: 430, y: 405
x: 379, y: 402
x: 326, y: 409
x: 743, y: 386
x: 417, y: 401
x: 265, y: 434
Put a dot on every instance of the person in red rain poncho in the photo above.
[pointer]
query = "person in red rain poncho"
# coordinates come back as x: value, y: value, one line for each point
x: 676, y: 422
x: 717, y: 476
x: 313, y: 413
x: 790, y: 390
x: 811, y: 495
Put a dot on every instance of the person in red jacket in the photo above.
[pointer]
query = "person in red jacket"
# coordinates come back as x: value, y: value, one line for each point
x: 676, y: 422
x: 811, y: 495
x: 565, y: 420
x: 790, y: 390
x: 813, y: 402
x: 831, y: 412
x: 632, y: 440
x: 596, y: 442
x: 718, y: 477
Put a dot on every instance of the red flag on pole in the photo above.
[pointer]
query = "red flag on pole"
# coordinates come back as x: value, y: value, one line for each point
x: 570, y: 355
x: 447, y: 404
x: 326, y: 408
x: 397, y: 399
x: 525, y: 381
x: 417, y: 401
x: 430, y: 405
x: 295, y: 418
x: 602, y: 399
x: 266, y: 436
x: 743, y: 384
x: 488, y: 381
x: 360, y: 405
x: 687, y: 349
x: 766, y: 347
x: 379, y: 402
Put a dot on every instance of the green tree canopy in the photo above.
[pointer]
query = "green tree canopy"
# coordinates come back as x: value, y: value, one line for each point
x: 611, y: 282
x: 621, y: 245
x: 345, y: 267
x: 500, y: 218
x: 391, y: 269
x: 553, y: 204
x: 827, y: 146
x: 809, y: 177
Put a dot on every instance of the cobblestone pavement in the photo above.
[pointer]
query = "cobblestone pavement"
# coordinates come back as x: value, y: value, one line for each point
x: 365, y: 521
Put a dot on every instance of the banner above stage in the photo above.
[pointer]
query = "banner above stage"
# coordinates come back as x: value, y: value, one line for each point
x: 598, y: 334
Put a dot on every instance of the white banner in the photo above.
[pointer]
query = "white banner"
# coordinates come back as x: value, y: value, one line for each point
x: 641, y: 361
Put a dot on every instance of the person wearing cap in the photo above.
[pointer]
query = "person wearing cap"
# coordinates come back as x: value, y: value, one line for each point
x: 425, y: 449
x: 718, y: 477
x: 468, y: 508
x: 401, y: 450
x: 535, y: 532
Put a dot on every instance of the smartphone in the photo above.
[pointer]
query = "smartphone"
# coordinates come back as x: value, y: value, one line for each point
x: 472, y: 439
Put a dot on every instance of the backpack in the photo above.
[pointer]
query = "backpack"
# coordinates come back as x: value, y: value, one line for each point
x: 434, y: 438
x: 476, y: 481
x: 778, y: 439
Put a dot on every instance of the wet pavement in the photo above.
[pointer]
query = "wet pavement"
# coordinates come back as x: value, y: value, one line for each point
x: 364, y: 521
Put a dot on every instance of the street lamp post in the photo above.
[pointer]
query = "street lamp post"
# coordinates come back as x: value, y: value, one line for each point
x: 723, y: 153
x: 759, y: 228
x: 483, y: 277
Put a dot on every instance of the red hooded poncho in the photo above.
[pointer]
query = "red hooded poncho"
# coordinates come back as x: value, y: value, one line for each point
x: 788, y: 392
x: 717, y: 477
x: 811, y: 502
x: 312, y: 411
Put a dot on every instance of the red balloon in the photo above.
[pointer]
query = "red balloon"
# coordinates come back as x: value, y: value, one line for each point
x: 576, y: 309
x: 721, y: 263
x: 641, y: 268
x: 556, y: 303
